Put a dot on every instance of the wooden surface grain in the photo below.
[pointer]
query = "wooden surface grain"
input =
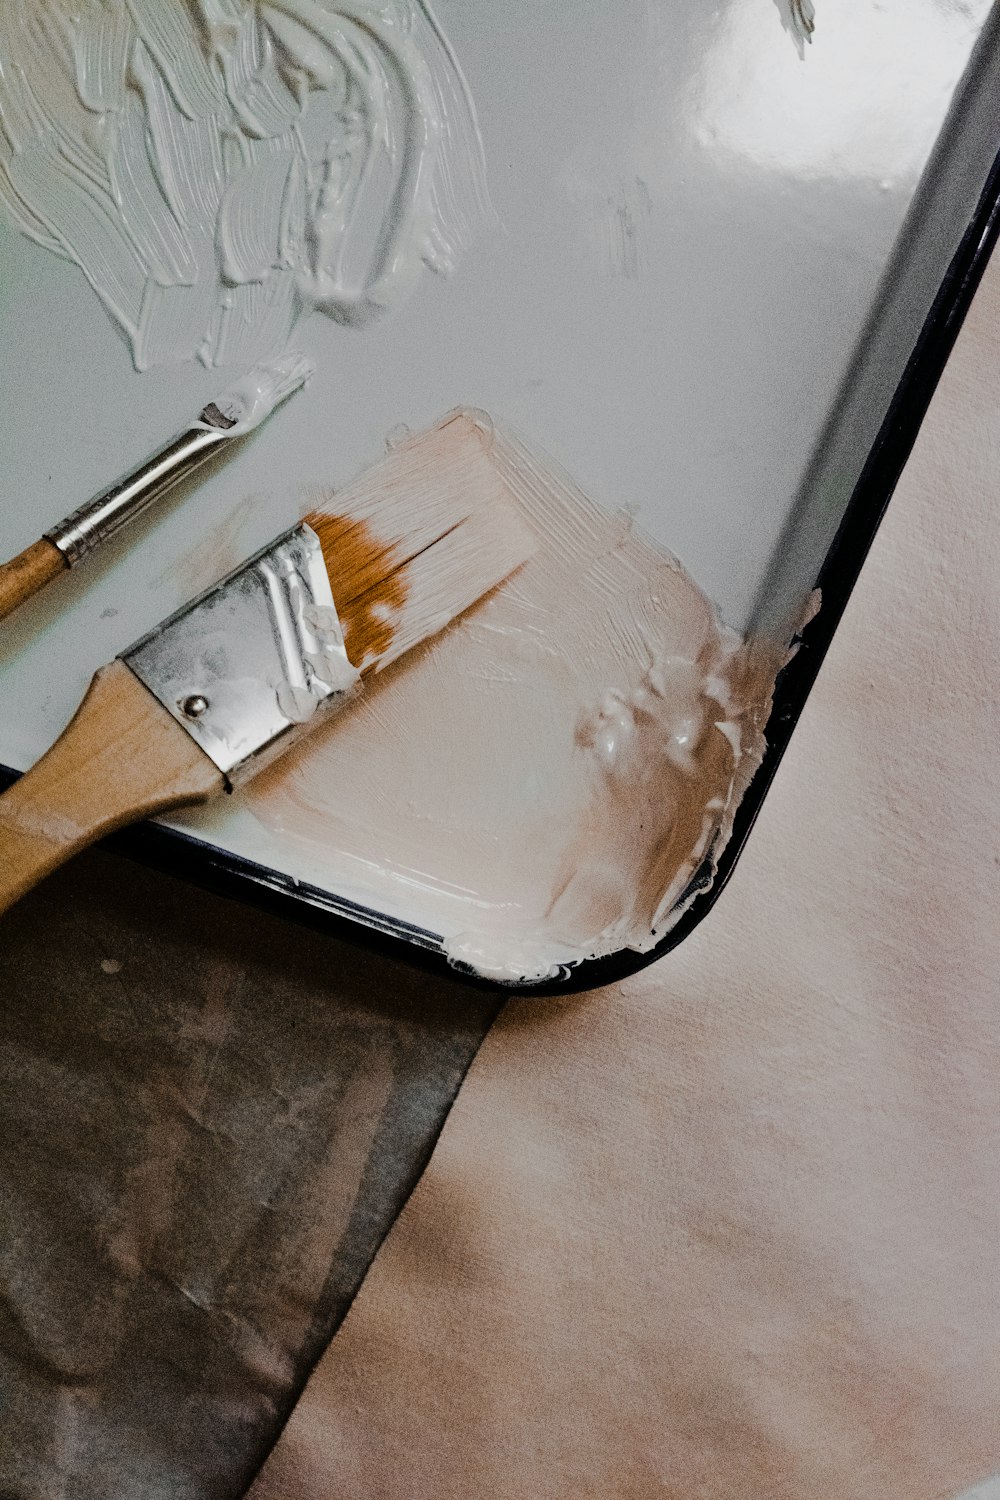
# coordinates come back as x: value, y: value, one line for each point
x: 120, y: 759
x: 28, y: 573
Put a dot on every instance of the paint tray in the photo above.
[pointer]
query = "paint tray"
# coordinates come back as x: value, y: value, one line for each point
x: 727, y: 269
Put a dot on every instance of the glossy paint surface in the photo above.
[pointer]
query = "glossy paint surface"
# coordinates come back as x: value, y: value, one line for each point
x: 217, y: 170
x: 709, y: 231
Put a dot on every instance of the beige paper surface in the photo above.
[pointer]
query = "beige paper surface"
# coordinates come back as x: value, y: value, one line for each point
x: 732, y: 1228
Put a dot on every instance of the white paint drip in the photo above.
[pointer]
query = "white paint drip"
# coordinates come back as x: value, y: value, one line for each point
x: 214, y: 168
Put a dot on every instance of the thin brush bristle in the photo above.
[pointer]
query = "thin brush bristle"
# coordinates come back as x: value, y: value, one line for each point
x: 253, y: 399
x: 389, y: 599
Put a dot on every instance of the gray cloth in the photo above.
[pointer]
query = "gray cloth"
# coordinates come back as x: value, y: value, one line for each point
x: 209, y: 1118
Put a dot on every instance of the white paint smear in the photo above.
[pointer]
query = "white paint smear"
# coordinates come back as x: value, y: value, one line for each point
x: 215, y: 167
x: 804, y: 18
x: 540, y: 783
x: 254, y: 397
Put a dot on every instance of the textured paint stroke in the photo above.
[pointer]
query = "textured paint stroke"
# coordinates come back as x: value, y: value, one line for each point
x: 541, y: 783
x: 804, y: 18
x: 216, y: 167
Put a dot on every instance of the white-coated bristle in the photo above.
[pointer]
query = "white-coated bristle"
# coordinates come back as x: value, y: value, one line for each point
x: 454, y: 573
x: 418, y: 539
x: 420, y: 491
x: 253, y: 399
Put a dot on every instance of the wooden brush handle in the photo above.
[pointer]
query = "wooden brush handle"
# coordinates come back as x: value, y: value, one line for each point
x: 122, y: 758
x: 28, y: 573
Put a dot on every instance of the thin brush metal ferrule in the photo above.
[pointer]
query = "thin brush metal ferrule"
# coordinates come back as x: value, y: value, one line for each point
x: 249, y: 664
x: 128, y: 497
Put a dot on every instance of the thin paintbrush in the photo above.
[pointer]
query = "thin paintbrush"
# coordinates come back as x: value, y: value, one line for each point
x: 241, y: 409
x: 232, y: 680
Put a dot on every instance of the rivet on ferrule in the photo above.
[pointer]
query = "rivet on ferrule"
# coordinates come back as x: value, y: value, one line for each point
x: 194, y: 706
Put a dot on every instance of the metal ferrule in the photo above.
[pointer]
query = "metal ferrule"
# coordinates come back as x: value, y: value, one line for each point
x: 129, y: 496
x: 247, y: 667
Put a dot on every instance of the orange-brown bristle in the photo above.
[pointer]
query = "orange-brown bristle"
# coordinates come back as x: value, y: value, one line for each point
x: 368, y: 579
x: 416, y: 541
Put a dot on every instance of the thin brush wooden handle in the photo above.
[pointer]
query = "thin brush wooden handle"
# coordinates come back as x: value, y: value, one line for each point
x: 122, y: 758
x: 28, y: 573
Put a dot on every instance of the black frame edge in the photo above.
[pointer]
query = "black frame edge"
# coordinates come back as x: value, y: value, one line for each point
x: 182, y: 855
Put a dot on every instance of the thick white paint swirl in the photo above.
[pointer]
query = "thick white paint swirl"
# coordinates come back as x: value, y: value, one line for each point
x: 214, y: 167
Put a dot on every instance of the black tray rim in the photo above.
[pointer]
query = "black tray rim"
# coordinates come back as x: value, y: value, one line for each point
x: 178, y: 853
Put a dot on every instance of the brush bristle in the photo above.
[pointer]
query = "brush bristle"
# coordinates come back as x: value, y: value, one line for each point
x: 392, y: 593
x: 253, y: 398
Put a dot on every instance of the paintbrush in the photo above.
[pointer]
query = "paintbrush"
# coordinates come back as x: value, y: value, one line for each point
x: 239, y: 411
x: 235, y: 678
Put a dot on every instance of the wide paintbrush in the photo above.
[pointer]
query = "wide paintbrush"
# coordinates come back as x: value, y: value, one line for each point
x: 239, y: 675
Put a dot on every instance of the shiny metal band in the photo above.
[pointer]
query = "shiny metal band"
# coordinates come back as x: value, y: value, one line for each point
x: 129, y: 496
x: 247, y: 666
